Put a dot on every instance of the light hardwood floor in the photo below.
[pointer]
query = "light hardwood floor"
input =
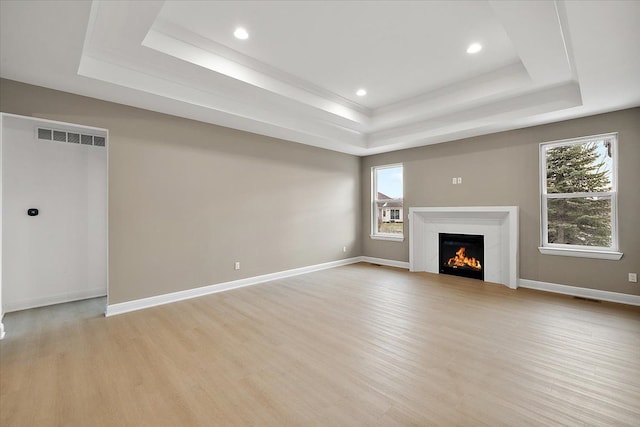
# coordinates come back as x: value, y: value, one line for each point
x: 359, y: 345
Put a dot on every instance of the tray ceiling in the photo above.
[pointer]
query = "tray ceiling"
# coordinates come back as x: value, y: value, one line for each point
x: 297, y: 74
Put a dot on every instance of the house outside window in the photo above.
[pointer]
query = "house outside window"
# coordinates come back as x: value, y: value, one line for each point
x: 387, y: 213
x: 579, y: 197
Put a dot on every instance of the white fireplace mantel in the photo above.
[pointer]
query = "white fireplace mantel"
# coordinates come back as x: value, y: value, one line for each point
x: 498, y: 225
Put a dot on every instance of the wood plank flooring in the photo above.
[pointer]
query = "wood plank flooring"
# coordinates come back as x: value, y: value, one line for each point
x: 359, y: 345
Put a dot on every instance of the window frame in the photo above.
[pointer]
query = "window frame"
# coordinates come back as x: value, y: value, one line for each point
x: 547, y: 248
x: 395, y: 237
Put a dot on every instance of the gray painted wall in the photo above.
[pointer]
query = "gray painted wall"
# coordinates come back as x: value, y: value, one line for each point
x: 502, y: 169
x: 188, y: 199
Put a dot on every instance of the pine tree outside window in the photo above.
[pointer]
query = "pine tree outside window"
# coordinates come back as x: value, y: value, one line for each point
x: 579, y: 197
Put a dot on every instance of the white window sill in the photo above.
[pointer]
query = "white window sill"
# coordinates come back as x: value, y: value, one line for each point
x: 581, y: 253
x: 389, y: 237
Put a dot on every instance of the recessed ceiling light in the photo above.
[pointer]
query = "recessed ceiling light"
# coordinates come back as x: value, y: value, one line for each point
x: 241, y: 33
x: 474, y: 48
x: 361, y: 92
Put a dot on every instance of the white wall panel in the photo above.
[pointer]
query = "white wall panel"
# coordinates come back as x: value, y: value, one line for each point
x: 61, y: 254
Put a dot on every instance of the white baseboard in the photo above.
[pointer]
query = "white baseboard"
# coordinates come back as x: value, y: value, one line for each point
x: 128, y: 306
x: 387, y: 262
x: 580, y: 292
x: 52, y: 299
x: 125, y: 307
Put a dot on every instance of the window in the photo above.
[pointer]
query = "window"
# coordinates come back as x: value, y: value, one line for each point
x: 579, y: 197
x: 386, y: 207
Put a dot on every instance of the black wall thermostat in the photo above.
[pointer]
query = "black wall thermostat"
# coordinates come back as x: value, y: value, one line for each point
x: 32, y: 212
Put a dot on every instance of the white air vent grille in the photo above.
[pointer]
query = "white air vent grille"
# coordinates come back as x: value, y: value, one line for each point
x: 72, y: 137
x: 59, y: 136
x: 44, y: 134
x: 86, y: 140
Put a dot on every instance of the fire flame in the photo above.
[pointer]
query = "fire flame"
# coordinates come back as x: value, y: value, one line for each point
x: 460, y: 260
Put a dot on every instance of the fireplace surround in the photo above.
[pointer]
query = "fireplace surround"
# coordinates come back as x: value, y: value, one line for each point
x: 498, y: 225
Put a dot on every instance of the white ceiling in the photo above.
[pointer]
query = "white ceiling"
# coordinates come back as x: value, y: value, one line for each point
x: 296, y: 76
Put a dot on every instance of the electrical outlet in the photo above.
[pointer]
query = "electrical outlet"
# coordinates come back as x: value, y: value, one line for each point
x: 237, y: 265
x: 344, y: 249
x: 459, y: 180
x: 633, y: 277
x: 454, y: 181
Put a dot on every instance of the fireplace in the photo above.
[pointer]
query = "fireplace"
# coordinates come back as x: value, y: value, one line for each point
x: 498, y: 225
x: 462, y: 255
